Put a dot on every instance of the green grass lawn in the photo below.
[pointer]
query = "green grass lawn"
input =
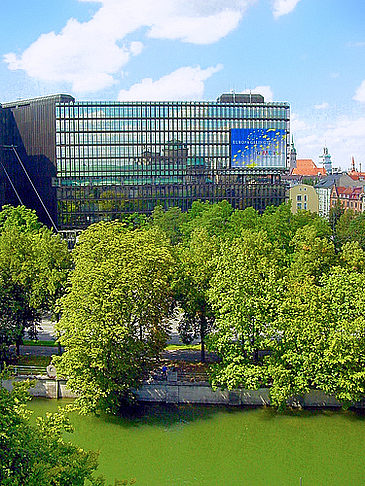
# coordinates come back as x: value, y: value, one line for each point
x: 170, y: 347
x: 35, y: 342
x: 174, y: 347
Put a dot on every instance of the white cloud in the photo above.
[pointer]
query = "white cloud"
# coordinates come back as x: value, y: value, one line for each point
x: 356, y: 44
x: 344, y: 137
x: 91, y: 55
x: 265, y: 91
x: 321, y: 106
x: 297, y: 123
x: 283, y: 7
x: 186, y: 83
x: 360, y: 93
x: 198, y: 30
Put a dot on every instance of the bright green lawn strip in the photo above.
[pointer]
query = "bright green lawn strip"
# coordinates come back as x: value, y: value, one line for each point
x: 174, y: 347
x: 170, y: 347
x: 34, y: 342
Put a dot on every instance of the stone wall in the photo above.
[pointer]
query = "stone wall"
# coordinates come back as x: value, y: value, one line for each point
x: 194, y: 393
x: 44, y: 387
x: 203, y: 394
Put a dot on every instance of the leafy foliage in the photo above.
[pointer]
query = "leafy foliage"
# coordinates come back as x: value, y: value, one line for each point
x: 351, y: 227
x: 289, y: 310
x: 38, y: 454
x: 195, y: 267
x: 34, y: 265
x: 113, y: 318
x: 244, y: 294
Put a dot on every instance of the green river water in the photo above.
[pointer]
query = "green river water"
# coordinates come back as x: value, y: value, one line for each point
x: 210, y: 446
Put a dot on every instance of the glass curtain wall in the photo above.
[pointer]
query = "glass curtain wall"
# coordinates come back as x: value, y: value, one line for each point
x: 117, y: 158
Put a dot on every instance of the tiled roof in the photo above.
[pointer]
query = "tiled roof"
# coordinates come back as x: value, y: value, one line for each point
x: 356, y: 175
x: 328, y: 181
x: 308, y: 167
x: 348, y: 192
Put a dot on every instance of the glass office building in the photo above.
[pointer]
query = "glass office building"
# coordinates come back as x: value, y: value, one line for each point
x: 96, y: 160
x: 131, y: 156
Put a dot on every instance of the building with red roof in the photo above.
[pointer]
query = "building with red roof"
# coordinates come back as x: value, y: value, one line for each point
x: 355, y: 174
x: 306, y: 167
x: 349, y: 197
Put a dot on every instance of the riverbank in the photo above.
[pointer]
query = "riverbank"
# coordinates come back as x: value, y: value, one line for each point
x: 171, y: 391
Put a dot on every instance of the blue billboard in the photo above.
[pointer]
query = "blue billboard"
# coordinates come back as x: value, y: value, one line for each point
x: 258, y: 147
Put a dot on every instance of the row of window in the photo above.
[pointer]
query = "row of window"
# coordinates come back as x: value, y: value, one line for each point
x: 173, y: 110
x: 161, y: 125
x: 85, y: 151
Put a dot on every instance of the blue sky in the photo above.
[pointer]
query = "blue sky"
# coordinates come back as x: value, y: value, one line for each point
x: 310, y: 53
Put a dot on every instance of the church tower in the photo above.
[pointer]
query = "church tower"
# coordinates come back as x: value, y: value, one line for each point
x: 292, y: 156
x: 325, y: 160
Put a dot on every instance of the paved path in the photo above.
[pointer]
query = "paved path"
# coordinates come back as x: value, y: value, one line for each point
x: 38, y: 350
x: 46, y: 331
x: 189, y: 355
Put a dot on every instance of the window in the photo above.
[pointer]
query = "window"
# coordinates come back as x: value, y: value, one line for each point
x: 299, y: 197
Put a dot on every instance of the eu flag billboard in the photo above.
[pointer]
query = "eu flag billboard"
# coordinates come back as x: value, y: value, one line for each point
x: 258, y: 147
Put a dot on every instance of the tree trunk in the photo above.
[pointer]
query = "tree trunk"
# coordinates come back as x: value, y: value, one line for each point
x: 2, y: 359
x: 18, y: 342
x: 203, y: 326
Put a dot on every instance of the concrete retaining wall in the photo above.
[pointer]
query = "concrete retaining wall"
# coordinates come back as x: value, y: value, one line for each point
x: 200, y: 394
x: 203, y: 394
x: 194, y: 393
x: 44, y: 387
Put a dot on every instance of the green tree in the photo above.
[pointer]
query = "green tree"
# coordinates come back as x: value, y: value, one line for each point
x: 322, y: 338
x: 351, y: 227
x: 244, y: 294
x: 213, y: 217
x: 281, y: 224
x: 113, y: 323
x: 335, y: 214
x: 24, y: 219
x: 352, y: 256
x: 247, y: 218
x: 37, y: 454
x: 195, y: 268
x: 34, y: 265
x: 171, y: 222
x: 313, y: 256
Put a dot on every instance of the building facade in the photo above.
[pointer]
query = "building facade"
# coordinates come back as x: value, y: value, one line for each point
x: 349, y: 198
x: 96, y: 160
x: 325, y: 187
x: 29, y: 126
x: 303, y: 196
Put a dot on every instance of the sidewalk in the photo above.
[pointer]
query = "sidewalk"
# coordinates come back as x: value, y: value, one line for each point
x: 188, y: 355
